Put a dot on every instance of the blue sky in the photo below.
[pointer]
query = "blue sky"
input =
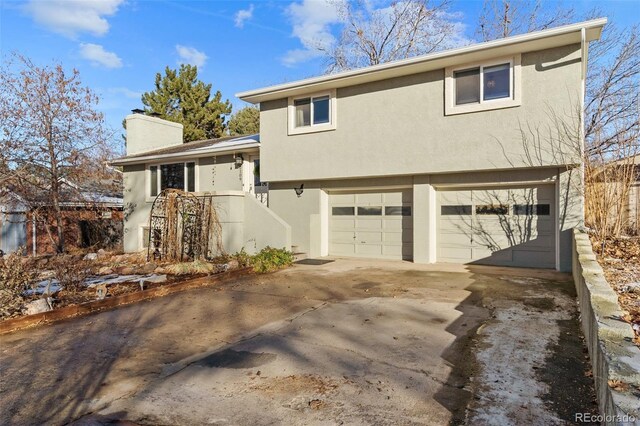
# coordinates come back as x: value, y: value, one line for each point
x: 119, y: 45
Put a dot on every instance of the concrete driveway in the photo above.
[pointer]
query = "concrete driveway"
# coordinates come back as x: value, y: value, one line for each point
x: 347, y: 342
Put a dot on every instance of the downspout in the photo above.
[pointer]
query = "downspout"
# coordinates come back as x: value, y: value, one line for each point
x: 584, y: 47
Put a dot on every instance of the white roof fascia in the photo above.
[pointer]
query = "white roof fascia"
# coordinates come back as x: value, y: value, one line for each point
x: 194, y: 153
x: 538, y: 40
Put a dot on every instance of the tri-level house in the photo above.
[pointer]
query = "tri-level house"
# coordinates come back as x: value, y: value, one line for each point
x: 470, y: 155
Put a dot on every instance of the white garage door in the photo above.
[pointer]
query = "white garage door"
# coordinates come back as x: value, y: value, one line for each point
x: 505, y: 226
x: 371, y: 224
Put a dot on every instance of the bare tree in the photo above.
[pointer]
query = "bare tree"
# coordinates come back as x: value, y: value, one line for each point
x: 504, y: 18
x: 51, y: 135
x: 612, y: 111
x: 373, y: 36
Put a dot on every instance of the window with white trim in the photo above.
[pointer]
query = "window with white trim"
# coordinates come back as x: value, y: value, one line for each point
x: 483, y: 86
x: 172, y: 176
x: 313, y: 113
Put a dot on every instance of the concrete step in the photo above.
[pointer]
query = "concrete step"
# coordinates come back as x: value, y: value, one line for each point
x: 299, y: 256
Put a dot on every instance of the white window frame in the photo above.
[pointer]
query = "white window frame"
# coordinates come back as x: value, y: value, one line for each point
x: 141, y: 240
x: 515, y: 87
x: 331, y: 125
x: 147, y: 179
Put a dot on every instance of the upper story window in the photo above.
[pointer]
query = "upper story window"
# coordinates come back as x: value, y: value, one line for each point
x: 172, y: 176
x: 484, y: 86
x: 313, y: 113
x: 482, y: 83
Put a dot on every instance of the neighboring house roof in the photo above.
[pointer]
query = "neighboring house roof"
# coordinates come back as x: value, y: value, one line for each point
x: 538, y: 40
x: 194, y: 149
x: 92, y: 194
x: 11, y: 203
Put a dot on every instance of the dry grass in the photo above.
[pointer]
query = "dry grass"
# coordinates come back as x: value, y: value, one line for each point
x: 620, y: 260
x: 192, y: 268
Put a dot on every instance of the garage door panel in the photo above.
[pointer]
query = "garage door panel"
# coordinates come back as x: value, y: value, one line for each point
x: 457, y: 239
x: 406, y: 237
x: 541, y: 242
x: 368, y: 237
x: 342, y: 237
x: 511, y: 232
x: 392, y: 224
x: 397, y: 198
x: 403, y: 251
x: 455, y: 254
x: 368, y: 224
x: 341, y: 249
x: 379, y: 232
x: 455, y: 226
x: 369, y: 199
x: 493, y: 256
x: 343, y: 224
x: 369, y: 249
x: 343, y: 199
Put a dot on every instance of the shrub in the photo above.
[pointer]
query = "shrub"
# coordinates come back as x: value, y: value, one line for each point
x: 15, y: 277
x: 271, y: 259
x: 71, y: 272
x: 243, y: 258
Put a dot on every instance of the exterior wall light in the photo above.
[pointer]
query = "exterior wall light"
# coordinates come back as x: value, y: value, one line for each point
x: 239, y: 160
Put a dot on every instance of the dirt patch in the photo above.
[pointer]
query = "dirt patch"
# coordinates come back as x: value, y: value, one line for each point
x: 620, y: 260
x: 548, y: 383
x: 296, y: 384
x: 67, y: 298
x: 569, y: 357
x: 542, y: 303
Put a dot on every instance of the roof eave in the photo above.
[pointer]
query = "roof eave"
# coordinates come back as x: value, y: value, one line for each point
x: 535, y: 40
x: 196, y: 153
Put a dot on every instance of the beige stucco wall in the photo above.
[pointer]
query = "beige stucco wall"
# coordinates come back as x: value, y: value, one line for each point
x: 398, y: 127
x: 304, y: 213
x: 262, y: 227
x: 219, y: 172
x: 145, y: 133
x: 136, y: 206
x: 214, y: 175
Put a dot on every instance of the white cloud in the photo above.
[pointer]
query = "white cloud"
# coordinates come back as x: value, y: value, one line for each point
x: 311, y: 20
x: 243, y: 15
x: 70, y: 17
x: 190, y: 55
x: 126, y: 92
x: 98, y: 56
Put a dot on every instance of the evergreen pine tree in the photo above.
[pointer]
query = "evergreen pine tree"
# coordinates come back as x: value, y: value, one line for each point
x: 245, y: 122
x: 180, y: 97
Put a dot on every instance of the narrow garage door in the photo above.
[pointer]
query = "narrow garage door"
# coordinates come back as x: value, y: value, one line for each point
x: 371, y: 224
x: 505, y: 226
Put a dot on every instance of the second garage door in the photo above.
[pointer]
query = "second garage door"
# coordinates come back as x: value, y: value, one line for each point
x: 371, y: 224
x: 503, y: 226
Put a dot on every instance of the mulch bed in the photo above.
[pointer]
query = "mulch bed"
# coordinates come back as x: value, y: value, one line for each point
x: 620, y: 260
x: 66, y: 298
x: 128, y: 294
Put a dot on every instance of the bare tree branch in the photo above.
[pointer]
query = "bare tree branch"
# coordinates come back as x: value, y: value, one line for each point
x: 373, y: 36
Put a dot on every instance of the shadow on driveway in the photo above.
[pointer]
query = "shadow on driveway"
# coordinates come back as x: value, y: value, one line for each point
x: 352, y: 341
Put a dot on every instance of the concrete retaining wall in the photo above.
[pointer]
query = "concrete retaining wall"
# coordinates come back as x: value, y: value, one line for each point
x: 614, y: 357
